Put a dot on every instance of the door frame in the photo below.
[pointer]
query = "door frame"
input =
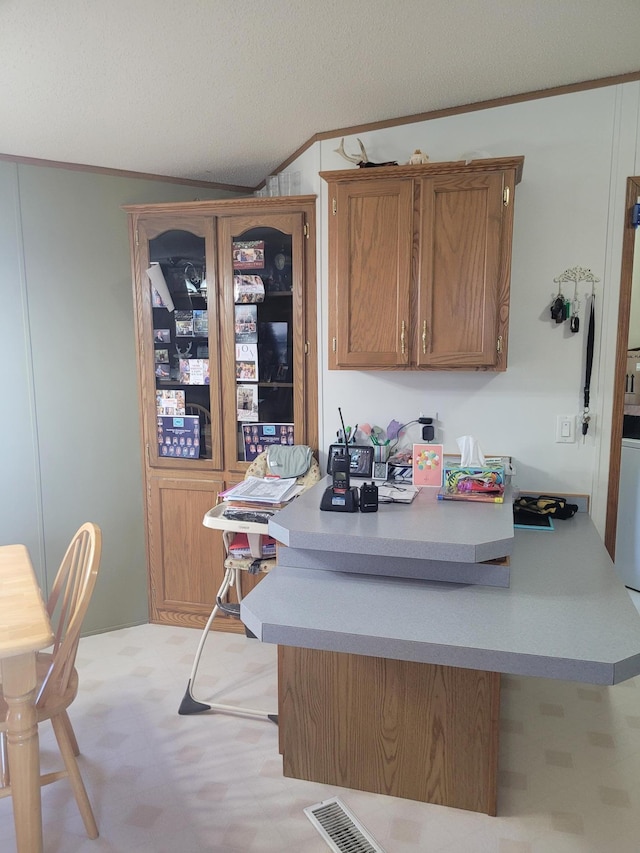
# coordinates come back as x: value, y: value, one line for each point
x: 622, y: 344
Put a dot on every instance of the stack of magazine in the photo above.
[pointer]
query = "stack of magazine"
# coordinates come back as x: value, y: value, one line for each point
x: 259, y: 496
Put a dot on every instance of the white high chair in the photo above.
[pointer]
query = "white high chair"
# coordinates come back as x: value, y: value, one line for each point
x: 234, y: 566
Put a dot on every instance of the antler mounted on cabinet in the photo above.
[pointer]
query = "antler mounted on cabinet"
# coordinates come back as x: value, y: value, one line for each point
x: 361, y: 160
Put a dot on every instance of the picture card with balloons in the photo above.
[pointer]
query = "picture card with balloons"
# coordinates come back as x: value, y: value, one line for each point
x: 427, y: 465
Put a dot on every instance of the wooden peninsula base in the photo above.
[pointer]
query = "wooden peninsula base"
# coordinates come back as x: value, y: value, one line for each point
x: 391, y: 684
x: 415, y: 730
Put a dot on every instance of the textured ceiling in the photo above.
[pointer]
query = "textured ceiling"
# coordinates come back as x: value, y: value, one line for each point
x: 226, y: 90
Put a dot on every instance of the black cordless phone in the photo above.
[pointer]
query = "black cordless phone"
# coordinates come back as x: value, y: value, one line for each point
x: 340, y: 496
x: 340, y: 472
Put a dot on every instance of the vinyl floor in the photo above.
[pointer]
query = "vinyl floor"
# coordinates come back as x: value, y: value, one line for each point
x: 569, y: 769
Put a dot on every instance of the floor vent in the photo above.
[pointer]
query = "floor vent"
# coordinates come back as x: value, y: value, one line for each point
x: 340, y: 829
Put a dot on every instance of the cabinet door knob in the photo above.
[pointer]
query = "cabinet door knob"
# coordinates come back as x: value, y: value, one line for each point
x: 403, y: 337
x: 424, y: 337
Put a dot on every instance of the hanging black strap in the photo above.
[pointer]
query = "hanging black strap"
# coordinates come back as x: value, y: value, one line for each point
x: 588, y: 367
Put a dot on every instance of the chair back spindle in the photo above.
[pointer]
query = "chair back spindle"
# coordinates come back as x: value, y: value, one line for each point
x: 68, y: 603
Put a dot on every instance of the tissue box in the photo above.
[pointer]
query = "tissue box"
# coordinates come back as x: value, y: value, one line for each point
x: 473, y: 483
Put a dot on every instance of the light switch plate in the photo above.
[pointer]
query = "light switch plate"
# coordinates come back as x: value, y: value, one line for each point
x: 565, y: 429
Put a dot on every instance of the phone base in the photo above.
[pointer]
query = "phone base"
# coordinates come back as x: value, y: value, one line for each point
x: 336, y: 501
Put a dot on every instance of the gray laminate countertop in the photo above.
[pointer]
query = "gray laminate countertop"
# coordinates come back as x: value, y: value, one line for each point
x: 426, y: 529
x: 566, y: 614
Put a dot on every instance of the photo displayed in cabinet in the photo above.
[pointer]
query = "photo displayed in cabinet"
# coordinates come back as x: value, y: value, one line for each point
x: 263, y: 294
x: 180, y: 338
x: 258, y: 437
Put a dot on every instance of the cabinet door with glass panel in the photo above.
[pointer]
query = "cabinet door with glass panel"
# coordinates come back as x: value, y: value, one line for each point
x: 179, y: 342
x: 264, y: 342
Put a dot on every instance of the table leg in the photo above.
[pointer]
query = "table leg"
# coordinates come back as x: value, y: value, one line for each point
x: 19, y: 690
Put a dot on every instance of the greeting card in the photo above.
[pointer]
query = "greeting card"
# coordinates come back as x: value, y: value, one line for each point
x: 427, y: 465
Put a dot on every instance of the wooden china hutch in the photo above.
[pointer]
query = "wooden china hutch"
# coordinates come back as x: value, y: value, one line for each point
x: 225, y: 311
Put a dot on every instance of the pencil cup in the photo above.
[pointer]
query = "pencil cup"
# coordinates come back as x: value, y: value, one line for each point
x: 380, y: 452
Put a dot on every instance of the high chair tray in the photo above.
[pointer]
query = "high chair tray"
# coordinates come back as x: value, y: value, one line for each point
x: 215, y: 518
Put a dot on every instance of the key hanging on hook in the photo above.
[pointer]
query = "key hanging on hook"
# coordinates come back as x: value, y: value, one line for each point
x: 563, y: 308
x: 574, y: 323
x: 557, y: 307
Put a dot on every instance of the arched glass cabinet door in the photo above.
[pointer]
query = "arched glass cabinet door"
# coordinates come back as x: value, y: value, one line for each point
x: 181, y: 336
x: 262, y: 271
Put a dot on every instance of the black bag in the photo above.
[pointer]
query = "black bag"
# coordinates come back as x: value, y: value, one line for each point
x: 546, y: 505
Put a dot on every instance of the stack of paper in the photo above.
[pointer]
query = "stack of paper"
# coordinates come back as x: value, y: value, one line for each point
x: 402, y: 494
x: 263, y: 490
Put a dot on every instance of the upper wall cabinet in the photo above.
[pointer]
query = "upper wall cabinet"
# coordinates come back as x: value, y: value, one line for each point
x: 419, y: 265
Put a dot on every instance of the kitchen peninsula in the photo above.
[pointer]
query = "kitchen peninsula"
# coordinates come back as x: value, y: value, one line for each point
x: 391, y: 684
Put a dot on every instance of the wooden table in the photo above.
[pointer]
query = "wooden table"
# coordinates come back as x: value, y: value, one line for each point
x: 24, y: 630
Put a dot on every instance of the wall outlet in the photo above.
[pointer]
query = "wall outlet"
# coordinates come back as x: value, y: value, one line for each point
x: 565, y: 429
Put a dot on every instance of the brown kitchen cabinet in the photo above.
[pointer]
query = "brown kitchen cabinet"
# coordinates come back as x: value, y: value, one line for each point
x: 225, y: 309
x: 420, y: 264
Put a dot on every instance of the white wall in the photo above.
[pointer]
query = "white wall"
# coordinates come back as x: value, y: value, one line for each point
x: 634, y: 313
x: 579, y: 149
x: 20, y: 517
x: 69, y: 426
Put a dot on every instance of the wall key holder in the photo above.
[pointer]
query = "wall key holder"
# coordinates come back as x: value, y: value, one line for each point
x: 561, y: 308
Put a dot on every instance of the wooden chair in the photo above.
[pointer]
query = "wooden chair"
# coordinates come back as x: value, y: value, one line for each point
x: 234, y: 566
x: 56, y: 673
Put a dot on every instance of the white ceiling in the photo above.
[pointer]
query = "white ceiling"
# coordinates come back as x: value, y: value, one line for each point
x: 225, y: 91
